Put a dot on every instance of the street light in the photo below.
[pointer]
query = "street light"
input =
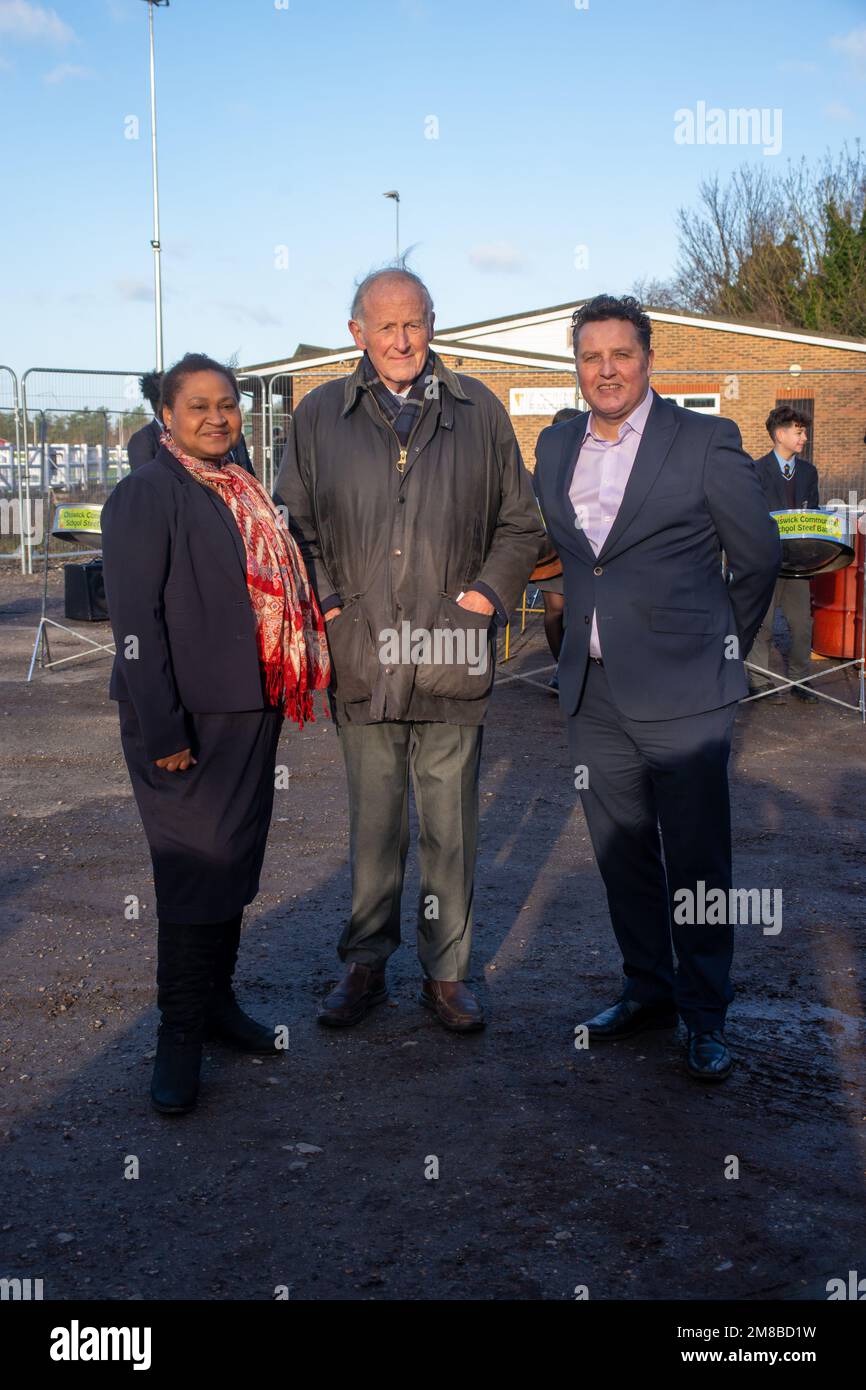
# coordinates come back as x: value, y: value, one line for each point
x: 396, y: 196
x: 157, y: 271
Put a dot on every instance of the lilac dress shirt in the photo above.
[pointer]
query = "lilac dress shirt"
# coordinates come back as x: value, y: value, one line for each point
x: 603, y: 468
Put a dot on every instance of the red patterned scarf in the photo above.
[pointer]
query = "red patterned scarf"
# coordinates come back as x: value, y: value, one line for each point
x: 290, y: 630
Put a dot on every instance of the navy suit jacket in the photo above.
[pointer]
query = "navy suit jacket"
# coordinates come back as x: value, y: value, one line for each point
x: 144, y: 444
x: 805, y: 483
x: 175, y: 580
x: 665, y: 611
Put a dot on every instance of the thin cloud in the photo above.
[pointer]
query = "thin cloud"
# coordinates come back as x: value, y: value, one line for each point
x: 798, y: 67
x: 838, y: 111
x: 134, y: 291
x: 498, y: 257
x: 21, y: 20
x: 853, y: 47
x: 64, y: 71
x: 247, y: 313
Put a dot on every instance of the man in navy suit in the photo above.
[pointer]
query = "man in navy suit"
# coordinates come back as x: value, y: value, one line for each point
x: 788, y: 482
x: 641, y: 498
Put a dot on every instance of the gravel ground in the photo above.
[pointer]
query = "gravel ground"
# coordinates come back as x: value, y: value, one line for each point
x: 557, y: 1168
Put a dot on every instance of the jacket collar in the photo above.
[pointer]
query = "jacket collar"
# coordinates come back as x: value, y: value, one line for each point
x: 356, y: 383
x: 656, y: 440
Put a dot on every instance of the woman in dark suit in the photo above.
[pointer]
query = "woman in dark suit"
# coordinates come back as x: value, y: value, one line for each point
x: 218, y: 636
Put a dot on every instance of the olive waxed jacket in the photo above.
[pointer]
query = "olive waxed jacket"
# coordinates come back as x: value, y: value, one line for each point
x: 395, y: 548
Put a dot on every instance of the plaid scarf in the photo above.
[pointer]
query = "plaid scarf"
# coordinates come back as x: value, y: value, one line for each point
x: 401, y: 412
x: 290, y: 630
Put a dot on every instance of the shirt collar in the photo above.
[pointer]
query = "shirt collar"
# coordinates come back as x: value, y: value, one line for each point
x: 785, y: 464
x: 356, y: 383
x: 635, y: 422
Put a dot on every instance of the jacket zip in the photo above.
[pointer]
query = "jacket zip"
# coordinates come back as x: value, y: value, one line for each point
x: 404, y: 453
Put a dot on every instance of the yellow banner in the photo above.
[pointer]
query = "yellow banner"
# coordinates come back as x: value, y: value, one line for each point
x: 79, y: 519
x: 822, y: 524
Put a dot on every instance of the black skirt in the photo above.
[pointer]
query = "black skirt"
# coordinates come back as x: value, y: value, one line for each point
x: 207, y: 827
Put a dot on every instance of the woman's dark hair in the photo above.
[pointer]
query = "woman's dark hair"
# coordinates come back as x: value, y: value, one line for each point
x: 607, y: 306
x: 150, y: 386
x: 193, y: 362
x: 785, y: 415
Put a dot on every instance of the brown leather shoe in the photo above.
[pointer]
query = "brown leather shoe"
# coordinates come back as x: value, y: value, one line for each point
x: 359, y: 990
x: 453, y: 1003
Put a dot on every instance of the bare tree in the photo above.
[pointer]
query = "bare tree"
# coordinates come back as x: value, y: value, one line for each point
x: 787, y: 248
x: 656, y: 294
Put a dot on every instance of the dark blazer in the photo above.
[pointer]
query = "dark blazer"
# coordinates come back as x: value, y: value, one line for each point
x: 665, y: 612
x: 805, y: 483
x: 144, y: 445
x: 175, y: 580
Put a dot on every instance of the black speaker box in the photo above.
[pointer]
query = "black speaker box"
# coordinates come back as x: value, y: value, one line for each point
x: 84, y: 589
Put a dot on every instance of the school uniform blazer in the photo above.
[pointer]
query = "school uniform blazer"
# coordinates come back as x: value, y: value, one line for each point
x: 805, y: 482
x: 175, y: 580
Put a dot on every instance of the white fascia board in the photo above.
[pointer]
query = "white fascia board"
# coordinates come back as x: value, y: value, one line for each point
x: 777, y: 333
x: 720, y: 326
x: 516, y: 359
x: 506, y: 325
x: 291, y: 367
x: 507, y: 359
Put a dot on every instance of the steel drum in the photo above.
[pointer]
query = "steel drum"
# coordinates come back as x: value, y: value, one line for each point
x: 77, y: 523
x: 814, y: 542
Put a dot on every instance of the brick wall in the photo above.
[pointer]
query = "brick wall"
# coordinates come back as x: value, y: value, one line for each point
x: 729, y: 362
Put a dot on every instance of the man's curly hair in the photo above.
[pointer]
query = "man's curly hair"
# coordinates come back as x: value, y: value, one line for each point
x: 607, y: 306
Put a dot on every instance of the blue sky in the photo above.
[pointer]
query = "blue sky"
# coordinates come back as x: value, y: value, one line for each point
x: 283, y: 127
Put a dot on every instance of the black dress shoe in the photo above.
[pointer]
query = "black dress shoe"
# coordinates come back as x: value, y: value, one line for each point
x: 176, y: 1071
x: 708, y: 1056
x: 629, y: 1016
x: 227, y: 1022
x: 802, y: 692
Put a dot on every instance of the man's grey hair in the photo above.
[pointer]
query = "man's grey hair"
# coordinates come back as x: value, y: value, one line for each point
x: 388, y: 272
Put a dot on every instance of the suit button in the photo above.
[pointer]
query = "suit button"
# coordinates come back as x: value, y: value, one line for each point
x: 586, y: 617
x: 398, y: 552
x: 598, y: 570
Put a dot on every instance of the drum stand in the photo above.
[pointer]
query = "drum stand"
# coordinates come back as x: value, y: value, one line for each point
x: 41, y: 646
x: 858, y: 661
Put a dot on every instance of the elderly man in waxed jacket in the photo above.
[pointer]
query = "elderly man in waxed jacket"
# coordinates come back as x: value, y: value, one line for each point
x: 415, y: 515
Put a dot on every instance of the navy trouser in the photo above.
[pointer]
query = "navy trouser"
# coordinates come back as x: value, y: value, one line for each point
x: 660, y: 786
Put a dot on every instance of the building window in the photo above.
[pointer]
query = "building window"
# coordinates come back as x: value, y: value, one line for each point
x: 703, y: 403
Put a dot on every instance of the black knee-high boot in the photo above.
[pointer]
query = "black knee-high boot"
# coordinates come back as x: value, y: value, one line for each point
x: 186, y: 963
x: 226, y: 1019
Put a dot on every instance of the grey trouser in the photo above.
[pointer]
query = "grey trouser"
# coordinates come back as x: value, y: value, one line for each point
x: 445, y: 761
x: 793, y: 597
